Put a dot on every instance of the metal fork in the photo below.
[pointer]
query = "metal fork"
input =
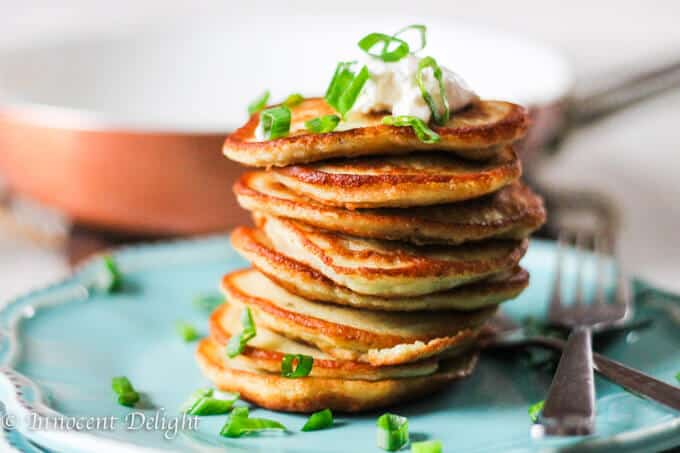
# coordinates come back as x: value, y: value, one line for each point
x: 570, y: 406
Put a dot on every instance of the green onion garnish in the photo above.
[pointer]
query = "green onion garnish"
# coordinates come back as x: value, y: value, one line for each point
x: 239, y: 424
x: 293, y: 100
x: 259, y: 103
x: 237, y: 343
x: 111, y: 279
x: 429, y: 446
x: 422, y: 30
x: 202, y: 402
x: 392, y: 432
x: 345, y: 87
x: 323, y: 124
x: 535, y: 410
x: 186, y: 331
x: 369, y: 41
x: 303, y: 368
x: 127, y: 396
x: 424, y: 133
x: 275, y: 122
x: 429, y: 62
x: 319, y: 420
x: 207, y: 302
x: 677, y: 377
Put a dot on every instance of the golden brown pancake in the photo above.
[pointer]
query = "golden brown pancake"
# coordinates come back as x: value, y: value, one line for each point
x: 266, y: 351
x: 418, y: 179
x: 513, y: 212
x: 300, y: 279
x: 378, y: 338
x: 387, y: 268
x: 312, y: 394
x: 471, y: 133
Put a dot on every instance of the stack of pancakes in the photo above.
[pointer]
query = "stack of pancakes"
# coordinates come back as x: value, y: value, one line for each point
x: 376, y: 254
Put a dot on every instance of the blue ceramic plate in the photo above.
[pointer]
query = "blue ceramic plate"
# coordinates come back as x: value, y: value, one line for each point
x: 61, y: 346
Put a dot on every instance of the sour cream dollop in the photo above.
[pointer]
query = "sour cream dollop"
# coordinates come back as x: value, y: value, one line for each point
x: 393, y: 88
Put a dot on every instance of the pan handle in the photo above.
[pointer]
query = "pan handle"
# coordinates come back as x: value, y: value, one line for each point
x: 623, y: 92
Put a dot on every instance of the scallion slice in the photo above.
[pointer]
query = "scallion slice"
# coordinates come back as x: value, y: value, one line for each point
x: 275, y: 122
x: 293, y: 100
x: 239, y: 424
x: 319, y: 420
x: 349, y: 97
x: 535, y: 411
x: 323, y: 124
x: 207, y: 302
x: 202, y: 402
x: 186, y: 331
x: 195, y: 396
x: 424, y: 133
x: 259, y: 103
x: 422, y: 31
x: 302, y: 369
x: 392, y: 432
x: 428, y: 446
x: 111, y: 279
x: 677, y: 377
x: 127, y: 396
x: 439, y: 117
x: 345, y: 87
x: 237, y: 343
x: 388, y: 52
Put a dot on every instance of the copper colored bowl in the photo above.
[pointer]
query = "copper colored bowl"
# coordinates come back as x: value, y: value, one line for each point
x: 131, y: 182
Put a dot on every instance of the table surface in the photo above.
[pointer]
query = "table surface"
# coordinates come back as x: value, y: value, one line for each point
x: 633, y: 157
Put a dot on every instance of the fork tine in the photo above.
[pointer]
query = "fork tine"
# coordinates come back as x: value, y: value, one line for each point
x: 601, y: 246
x: 581, y: 258
x: 556, y: 298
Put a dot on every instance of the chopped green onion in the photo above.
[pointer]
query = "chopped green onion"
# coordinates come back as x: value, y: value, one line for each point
x: 323, y: 124
x: 186, y: 331
x: 275, y: 122
x: 239, y: 424
x: 429, y: 446
x: 202, y: 402
x: 369, y: 41
x: 293, y: 100
x: 259, y: 103
x: 535, y: 410
x: 429, y: 62
x: 111, y: 280
x: 127, y: 396
x: 195, y: 396
x: 422, y: 32
x: 319, y: 420
x: 303, y: 368
x: 392, y: 432
x: 237, y: 343
x: 345, y: 87
x: 677, y: 377
x: 424, y: 133
x: 207, y: 302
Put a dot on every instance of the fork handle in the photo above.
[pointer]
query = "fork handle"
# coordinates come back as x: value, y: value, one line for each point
x: 570, y: 406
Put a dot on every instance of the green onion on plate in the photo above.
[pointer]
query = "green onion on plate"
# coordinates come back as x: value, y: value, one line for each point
x: 323, y: 124
x: 439, y: 117
x: 239, y: 423
x: 186, y: 331
x: 535, y: 411
x: 110, y: 279
x: 127, y: 396
x: 319, y: 420
x: 259, y: 103
x: 275, y: 122
x: 303, y: 366
x: 428, y: 446
x: 202, y: 402
x: 237, y: 343
x: 392, y: 433
x: 424, y: 133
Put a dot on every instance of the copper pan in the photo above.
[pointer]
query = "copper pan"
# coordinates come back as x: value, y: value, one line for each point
x: 132, y: 182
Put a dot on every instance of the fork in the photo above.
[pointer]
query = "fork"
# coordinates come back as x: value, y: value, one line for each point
x: 570, y: 406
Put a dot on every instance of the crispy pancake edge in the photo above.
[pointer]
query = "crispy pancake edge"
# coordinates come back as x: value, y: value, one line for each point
x: 300, y: 279
x: 387, y: 224
x: 312, y: 394
x: 468, y: 141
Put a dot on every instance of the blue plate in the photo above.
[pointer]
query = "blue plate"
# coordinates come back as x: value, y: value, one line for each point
x: 61, y: 346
